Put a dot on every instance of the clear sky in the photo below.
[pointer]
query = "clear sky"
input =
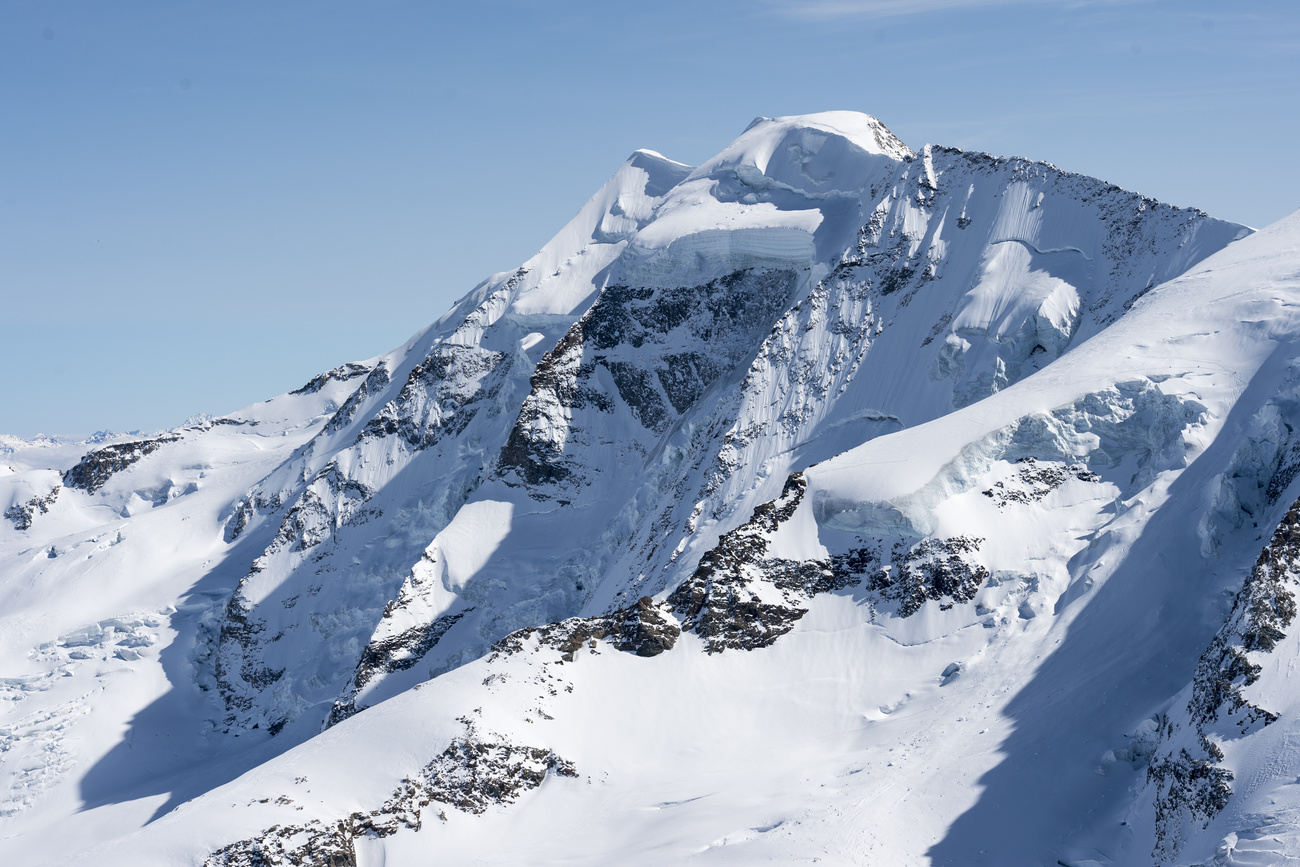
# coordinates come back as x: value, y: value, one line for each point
x: 202, y: 204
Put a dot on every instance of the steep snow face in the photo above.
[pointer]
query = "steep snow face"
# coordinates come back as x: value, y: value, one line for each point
x: 641, y: 412
x: 821, y: 418
x: 687, y: 271
x: 413, y: 442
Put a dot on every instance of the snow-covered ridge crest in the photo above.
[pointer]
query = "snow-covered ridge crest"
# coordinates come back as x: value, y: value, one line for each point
x: 820, y: 147
x: 763, y: 199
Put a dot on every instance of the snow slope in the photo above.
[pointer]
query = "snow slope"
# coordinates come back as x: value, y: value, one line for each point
x: 827, y: 501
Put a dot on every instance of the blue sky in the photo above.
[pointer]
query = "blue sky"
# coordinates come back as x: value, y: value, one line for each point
x: 202, y: 204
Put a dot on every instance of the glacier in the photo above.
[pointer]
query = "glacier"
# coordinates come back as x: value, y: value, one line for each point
x: 830, y: 500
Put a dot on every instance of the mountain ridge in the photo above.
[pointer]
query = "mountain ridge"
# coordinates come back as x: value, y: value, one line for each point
x: 657, y: 427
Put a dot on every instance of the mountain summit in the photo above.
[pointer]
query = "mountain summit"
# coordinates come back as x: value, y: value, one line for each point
x: 829, y: 498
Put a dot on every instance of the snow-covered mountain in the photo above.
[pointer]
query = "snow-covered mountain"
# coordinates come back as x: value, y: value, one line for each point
x: 827, y: 501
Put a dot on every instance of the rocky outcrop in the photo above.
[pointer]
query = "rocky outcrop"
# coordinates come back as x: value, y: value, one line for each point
x: 440, y: 396
x: 342, y: 373
x: 240, y: 517
x: 22, y: 514
x: 97, y: 467
x: 940, y: 570
x: 740, y: 599
x: 472, y: 774
x: 373, y: 384
x: 330, y: 501
x: 1190, y: 784
x: 241, y: 628
x: 642, y: 629
x: 1189, y: 789
x: 456, y: 379
x: 1035, y: 480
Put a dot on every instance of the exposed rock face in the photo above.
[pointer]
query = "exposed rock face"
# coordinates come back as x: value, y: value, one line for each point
x: 97, y: 467
x: 642, y: 629
x: 330, y: 501
x: 405, y: 650
x: 342, y: 373
x: 1189, y: 789
x: 661, y: 348
x: 457, y: 378
x: 1190, y: 783
x: 738, y: 598
x: 241, y: 626
x: 240, y: 517
x: 470, y: 775
x: 435, y: 401
x: 22, y: 514
x: 347, y: 413
x: 291, y: 846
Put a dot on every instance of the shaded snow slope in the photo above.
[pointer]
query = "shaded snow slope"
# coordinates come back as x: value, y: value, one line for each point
x: 829, y: 499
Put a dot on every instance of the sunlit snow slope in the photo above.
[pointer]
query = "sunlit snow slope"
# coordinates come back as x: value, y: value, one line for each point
x: 829, y: 501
